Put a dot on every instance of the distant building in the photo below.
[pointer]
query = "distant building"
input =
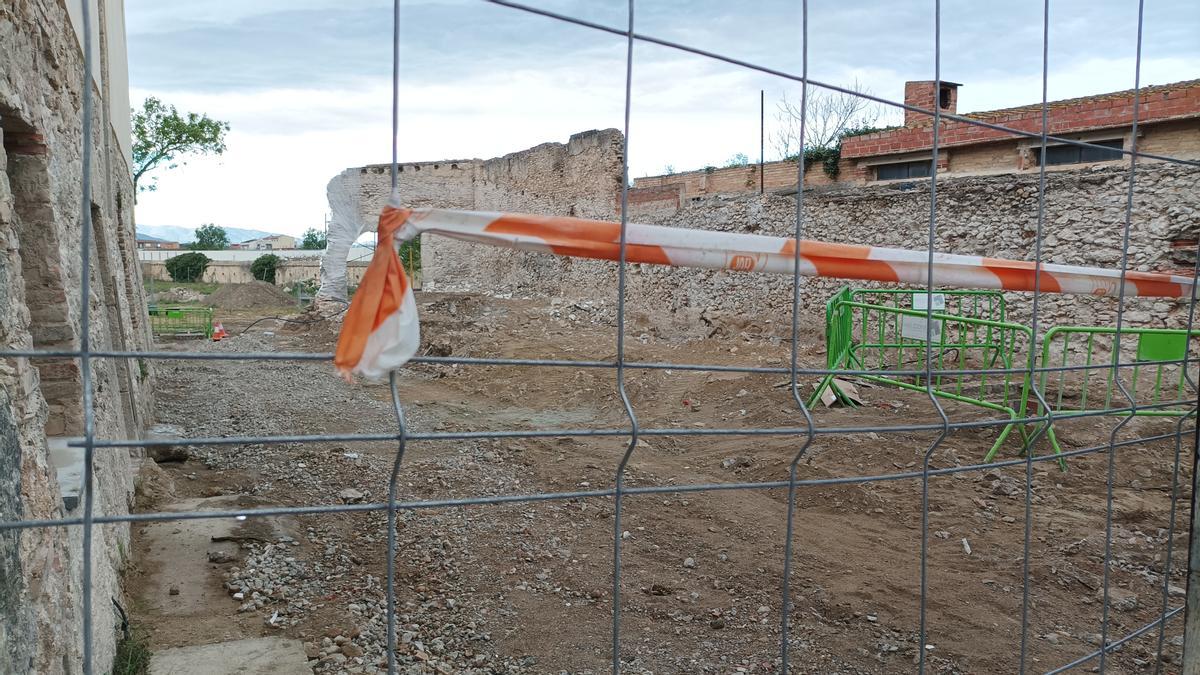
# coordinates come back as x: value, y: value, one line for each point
x: 273, y: 242
x: 1168, y: 124
x: 148, y: 242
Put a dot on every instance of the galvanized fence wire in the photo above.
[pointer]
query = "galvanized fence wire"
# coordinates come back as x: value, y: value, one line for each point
x: 1112, y: 451
x: 1027, y: 533
x: 806, y: 433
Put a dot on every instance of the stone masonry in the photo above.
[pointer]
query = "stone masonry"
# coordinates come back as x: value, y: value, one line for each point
x: 981, y: 215
x: 578, y: 178
x: 41, y: 80
x: 994, y: 216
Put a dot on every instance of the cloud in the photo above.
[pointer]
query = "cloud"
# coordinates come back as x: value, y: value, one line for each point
x: 306, y: 84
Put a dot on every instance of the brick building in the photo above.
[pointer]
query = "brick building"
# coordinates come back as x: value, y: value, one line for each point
x: 1168, y: 124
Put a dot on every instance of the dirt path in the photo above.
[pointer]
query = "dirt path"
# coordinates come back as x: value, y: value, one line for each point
x: 527, y: 587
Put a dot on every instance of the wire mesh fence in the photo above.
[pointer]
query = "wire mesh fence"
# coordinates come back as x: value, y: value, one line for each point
x: 181, y: 322
x: 965, y: 350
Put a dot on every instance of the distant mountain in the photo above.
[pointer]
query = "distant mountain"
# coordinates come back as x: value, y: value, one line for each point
x: 185, y: 235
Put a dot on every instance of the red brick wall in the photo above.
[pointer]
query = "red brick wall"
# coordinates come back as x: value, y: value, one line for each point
x: 924, y: 94
x: 777, y: 175
x: 651, y: 199
x: 1116, y: 110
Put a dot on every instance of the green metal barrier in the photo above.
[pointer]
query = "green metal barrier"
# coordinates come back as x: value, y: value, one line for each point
x: 867, y: 336
x: 1155, y: 376
x: 987, y: 305
x: 977, y: 304
x: 181, y: 321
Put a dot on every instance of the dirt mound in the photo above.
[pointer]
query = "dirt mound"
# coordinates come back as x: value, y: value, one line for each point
x: 256, y: 294
x: 177, y: 294
x: 320, y: 323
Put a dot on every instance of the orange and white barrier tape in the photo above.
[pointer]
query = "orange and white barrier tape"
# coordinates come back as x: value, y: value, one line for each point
x: 380, y: 331
x: 394, y: 340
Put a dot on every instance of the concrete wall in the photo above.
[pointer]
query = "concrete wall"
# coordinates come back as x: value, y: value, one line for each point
x: 41, y: 79
x: 991, y: 216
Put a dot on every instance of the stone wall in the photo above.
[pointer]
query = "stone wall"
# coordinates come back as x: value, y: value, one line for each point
x: 577, y: 178
x: 41, y: 79
x: 991, y: 216
x: 238, y: 272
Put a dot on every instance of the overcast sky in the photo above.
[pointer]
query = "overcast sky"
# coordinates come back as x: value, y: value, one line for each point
x: 305, y: 84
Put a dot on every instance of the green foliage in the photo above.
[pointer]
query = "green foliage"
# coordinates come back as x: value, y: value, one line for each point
x: 410, y: 255
x: 161, y: 134
x: 187, y: 267
x: 264, y: 266
x: 203, y: 287
x: 313, y: 240
x: 133, y: 654
x: 307, y: 286
x: 863, y: 131
x: 830, y: 157
x: 669, y: 170
x: 739, y: 159
x: 210, y: 238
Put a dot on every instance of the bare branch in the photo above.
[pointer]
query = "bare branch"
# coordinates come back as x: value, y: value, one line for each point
x: 829, y: 116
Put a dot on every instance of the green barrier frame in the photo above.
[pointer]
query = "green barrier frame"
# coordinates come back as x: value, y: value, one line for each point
x: 966, y: 342
x: 987, y: 305
x: 1156, y: 350
x: 977, y: 304
x: 181, y: 321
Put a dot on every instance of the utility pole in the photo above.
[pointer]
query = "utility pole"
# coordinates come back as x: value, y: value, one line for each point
x: 762, y: 140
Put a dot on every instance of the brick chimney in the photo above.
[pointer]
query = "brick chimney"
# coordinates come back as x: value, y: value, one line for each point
x: 924, y: 94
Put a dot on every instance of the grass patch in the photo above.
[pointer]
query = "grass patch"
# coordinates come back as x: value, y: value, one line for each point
x: 133, y: 654
x: 204, y: 287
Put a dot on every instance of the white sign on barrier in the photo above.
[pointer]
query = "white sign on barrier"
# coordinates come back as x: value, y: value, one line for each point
x: 915, y: 328
x: 939, y: 300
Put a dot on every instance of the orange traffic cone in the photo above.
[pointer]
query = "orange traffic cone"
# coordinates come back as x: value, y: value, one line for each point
x: 218, y: 332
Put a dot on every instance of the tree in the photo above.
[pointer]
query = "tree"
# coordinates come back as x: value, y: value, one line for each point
x: 210, y: 238
x: 264, y: 266
x: 161, y: 134
x: 740, y: 159
x: 187, y: 266
x: 410, y: 255
x: 829, y: 115
x: 313, y: 240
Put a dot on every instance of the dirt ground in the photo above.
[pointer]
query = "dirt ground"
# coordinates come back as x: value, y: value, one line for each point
x: 527, y: 587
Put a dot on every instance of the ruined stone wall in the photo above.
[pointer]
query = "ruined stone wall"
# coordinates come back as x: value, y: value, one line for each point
x: 41, y: 79
x: 991, y: 216
x: 576, y: 178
